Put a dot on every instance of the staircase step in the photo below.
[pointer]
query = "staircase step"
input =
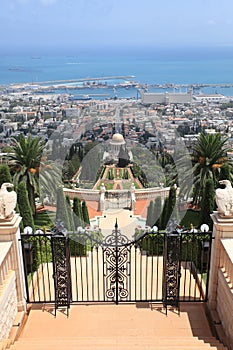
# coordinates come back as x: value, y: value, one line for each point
x: 118, y: 328
x: 114, y: 347
x: 122, y: 343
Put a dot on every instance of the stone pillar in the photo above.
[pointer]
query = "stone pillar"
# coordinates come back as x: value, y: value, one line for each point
x: 9, y: 232
x: 223, y: 228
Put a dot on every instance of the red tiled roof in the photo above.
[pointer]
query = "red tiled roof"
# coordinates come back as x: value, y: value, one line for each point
x: 141, y: 207
x: 93, y: 209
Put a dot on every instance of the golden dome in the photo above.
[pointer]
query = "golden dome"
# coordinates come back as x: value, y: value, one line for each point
x: 118, y: 138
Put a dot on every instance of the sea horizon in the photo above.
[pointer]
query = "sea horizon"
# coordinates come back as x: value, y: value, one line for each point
x: 203, y: 65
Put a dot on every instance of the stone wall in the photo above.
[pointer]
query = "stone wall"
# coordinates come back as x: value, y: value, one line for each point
x: 220, y: 296
x: 12, y: 288
x: 8, y: 305
x: 225, y: 305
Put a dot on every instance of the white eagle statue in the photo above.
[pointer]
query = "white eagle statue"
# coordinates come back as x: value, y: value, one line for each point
x: 8, y: 201
x: 224, y: 198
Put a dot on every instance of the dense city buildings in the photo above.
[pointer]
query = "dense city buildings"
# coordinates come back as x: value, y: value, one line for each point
x: 120, y: 192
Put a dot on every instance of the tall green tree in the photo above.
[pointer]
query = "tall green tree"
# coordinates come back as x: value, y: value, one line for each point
x: 123, y: 157
x: 158, y: 211
x: 71, y: 226
x: 5, y: 175
x: 150, y: 214
x: 209, y: 157
x: 29, y: 165
x: 225, y: 173
x: 77, y: 209
x: 24, y: 206
x: 169, y: 207
x: 61, y: 212
x: 85, y: 213
x: 172, y: 207
x: 163, y: 217
x: 207, y: 203
x: 27, y: 153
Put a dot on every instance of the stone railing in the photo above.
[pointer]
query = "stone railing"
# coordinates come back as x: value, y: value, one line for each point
x: 5, y: 260
x: 225, y: 287
x: 226, y: 260
x: 94, y: 195
x: 152, y: 193
x: 83, y: 194
x: 8, y: 295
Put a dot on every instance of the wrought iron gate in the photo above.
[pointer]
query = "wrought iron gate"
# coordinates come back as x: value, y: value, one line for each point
x: 116, y: 200
x: 156, y: 267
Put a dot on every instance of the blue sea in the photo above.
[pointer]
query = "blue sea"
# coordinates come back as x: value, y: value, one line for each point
x: 157, y: 66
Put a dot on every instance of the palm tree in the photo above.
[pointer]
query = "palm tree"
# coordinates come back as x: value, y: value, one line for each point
x: 209, y: 157
x: 30, y: 165
x: 27, y: 153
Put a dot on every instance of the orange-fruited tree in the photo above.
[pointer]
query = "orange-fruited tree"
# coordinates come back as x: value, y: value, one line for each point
x: 210, y: 162
x: 29, y: 164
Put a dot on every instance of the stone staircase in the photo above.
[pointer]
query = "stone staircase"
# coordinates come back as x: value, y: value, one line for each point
x: 111, y: 327
x: 124, y: 343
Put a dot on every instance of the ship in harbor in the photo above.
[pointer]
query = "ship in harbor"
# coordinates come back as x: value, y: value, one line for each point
x: 79, y: 98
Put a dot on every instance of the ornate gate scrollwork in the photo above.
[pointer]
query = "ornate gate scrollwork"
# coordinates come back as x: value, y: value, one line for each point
x: 116, y: 266
x: 171, y: 274
x: 61, y: 268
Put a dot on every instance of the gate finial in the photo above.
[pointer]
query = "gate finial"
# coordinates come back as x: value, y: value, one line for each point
x: 116, y: 224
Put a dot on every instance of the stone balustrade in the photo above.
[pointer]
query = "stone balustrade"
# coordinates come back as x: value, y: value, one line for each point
x: 8, y: 294
x: 12, y: 288
x: 5, y: 260
x: 226, y: 260
x: 94, y: 195
x: 152, y: 193
x: 83, y: 194
x: 224, y: 305
x: 220, y: 296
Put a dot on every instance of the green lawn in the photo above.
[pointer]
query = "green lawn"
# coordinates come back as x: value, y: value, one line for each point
x: 45, y: 221
x: 108, y: 186
x: 136, y: 185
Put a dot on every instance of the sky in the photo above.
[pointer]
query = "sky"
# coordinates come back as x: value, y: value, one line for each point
x: 116, y: 24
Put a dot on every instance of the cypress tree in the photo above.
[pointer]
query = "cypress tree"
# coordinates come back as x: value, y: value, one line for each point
x: 225, y: 173
x: 85, y: 214
x: 171, y: 202
x: 77, y: 209
x: 157, y: 211
x: 163, y: 221
x: 123, y: 157
x: 207, y: 203
x: 71, y: 226
x: 24, y: 205
x: 61, y: 213
x: 5, y: 175
x: 150, y: 211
